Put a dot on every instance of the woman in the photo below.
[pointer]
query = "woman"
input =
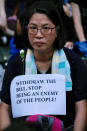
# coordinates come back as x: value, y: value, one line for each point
x: 46, y: 43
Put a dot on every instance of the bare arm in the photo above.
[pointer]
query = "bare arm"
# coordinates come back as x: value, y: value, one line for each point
x: 4, y: 116
x: 3, y: 19
x: 77, y: 21
x: 81, y: 116
x: 2, y: 6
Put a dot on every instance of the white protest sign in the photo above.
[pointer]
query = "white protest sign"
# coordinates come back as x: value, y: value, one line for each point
x: 38, y: 94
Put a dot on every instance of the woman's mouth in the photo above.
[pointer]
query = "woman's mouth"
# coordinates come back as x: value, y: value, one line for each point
x: 39, y: 43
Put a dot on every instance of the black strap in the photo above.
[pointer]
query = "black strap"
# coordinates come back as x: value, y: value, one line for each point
x: 46, y: 122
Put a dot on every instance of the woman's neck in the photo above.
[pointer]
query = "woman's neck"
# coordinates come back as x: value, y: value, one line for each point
x: 43, y: 56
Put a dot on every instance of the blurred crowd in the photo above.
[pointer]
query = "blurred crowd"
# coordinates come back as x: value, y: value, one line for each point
x: 13, y: 29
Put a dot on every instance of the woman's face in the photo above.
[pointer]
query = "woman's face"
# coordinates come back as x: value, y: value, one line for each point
x: 41, y: 32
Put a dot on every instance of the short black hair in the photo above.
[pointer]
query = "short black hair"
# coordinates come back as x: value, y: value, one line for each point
x: 48, y: 8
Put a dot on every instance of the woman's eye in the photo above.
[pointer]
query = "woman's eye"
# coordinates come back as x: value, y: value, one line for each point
x: 46, y: 28
x: 33, y: 27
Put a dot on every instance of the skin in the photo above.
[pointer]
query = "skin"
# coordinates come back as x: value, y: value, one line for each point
x: 3, y: 19
x: 81, y: 116
x: 77, y: 21
x: 69, y: 44
x: 4, y: 116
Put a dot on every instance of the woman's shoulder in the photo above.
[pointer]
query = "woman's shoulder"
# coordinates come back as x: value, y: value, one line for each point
x: 71, y: 55
x: 74, y: 59
x: 16, y: 57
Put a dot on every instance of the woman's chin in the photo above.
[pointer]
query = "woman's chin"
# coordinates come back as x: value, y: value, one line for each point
x: 40, y: 48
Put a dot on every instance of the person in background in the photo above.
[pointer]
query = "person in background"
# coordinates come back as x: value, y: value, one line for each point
x: 8, y: 15
x: 64, y: 7
x: 76, y: 14
x: 46, y: 42
x: 78, y: 20
x: 3, y: 20
x: 79, y: 11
